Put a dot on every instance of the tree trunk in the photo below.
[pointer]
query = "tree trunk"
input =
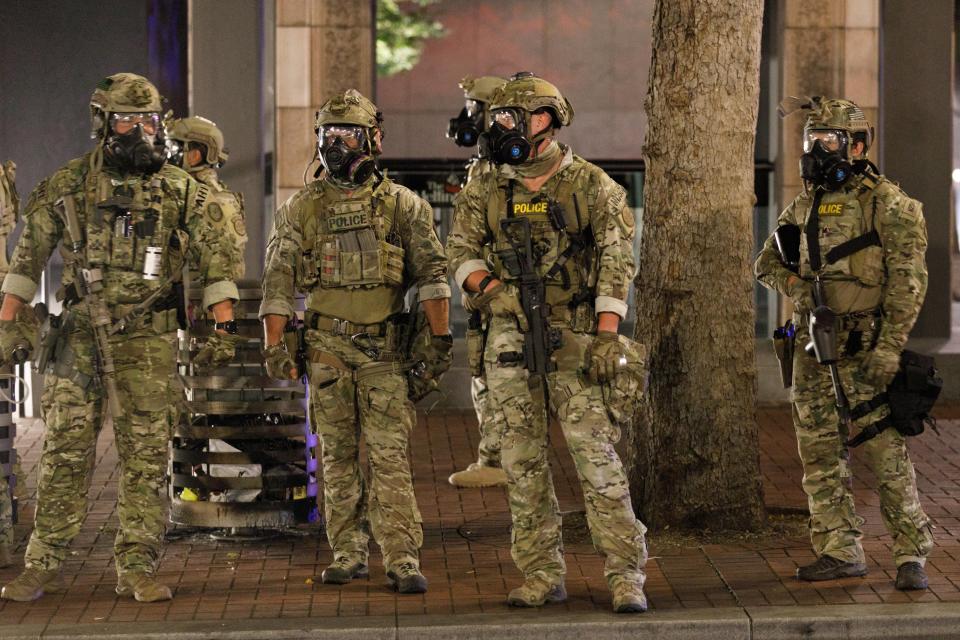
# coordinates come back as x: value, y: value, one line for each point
x: 693, y: 457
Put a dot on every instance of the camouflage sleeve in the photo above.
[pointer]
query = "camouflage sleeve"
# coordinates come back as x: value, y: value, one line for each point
x: 903, y: 235
x: 769, y: 268
x: 227, y: 224
x: 214, y: 254
x: 468, y: 234
x: 284, y: 248
x: 424, y: 258
x: 614, y: 226
x: 42, y: 231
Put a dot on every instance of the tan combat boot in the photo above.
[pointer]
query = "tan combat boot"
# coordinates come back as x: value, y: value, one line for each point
x: 628, y: 597
x: 536, y: 592
x: 143, y: 588
x: 33, y: 583
x: 479, y: 475
x: 5, y: 559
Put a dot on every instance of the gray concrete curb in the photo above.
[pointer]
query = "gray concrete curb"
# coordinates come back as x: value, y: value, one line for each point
x: 848, y: 622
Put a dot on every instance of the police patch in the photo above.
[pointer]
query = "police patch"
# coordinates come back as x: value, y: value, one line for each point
x: 239, y: 228
x: 216, y: 213
x: 347, y: 221
x: 533, y: 210
x: 834, y: 209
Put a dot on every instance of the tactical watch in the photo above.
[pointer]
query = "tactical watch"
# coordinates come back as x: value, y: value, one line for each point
x: 230, y: 326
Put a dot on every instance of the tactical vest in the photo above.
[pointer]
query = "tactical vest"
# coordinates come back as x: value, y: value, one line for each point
x: 563, y: 246
x: 851, y: 255
x: 353, y: 259
x: 134, y: 232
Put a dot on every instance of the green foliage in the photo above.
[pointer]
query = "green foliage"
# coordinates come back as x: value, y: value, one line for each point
x: 402, y: 32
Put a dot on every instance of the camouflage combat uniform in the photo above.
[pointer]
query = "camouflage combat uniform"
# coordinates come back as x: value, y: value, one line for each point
x: 226, y: 212
x: 878, y: 292
x: 9, y: 212
x: 355, y: 253
x: 144, y: 355
x: 599, y: 277
x: 492, y: 421
x: 865, y: 239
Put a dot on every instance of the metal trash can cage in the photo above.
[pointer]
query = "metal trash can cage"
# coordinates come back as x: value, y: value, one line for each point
x: 243, y: 455
x: 8, y: 433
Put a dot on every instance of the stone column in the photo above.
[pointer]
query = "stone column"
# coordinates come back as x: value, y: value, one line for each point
x: 828, y: 48
x: 322, y: 47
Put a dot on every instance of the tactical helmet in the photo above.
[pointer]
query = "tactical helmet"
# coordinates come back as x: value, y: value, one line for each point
x: 835, y: 114
x: 122, y: 93
x: 530, y: 93
x: 199, y: 130
x: 480, y: 89
x: 349, y: 107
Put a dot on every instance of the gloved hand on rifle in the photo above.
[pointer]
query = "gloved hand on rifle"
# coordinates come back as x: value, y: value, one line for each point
x: 879, y: 367
x: 800, y: 293
x: 434, y: 357
x: 278, y: 362
x: 19, y: 336
x: 503, y: 300
x: 219, y: 351
x: 607, y: 354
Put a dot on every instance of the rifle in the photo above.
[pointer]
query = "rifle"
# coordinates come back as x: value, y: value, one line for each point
x: 541, y: 340
x: 89, y: 284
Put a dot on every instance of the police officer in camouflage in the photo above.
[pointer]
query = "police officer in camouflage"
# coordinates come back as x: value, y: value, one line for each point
x: 583, y: 237
x: 354, y: 242
x: 140, y: 220
x: 865, y: 239
x: 197, y: 146
x: 9, y: 212
x: 468, y: 129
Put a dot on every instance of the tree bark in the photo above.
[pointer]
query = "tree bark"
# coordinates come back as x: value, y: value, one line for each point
x: 693, y: 457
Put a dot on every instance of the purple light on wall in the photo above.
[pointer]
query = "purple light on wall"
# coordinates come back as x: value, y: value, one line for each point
x: 167, y: 52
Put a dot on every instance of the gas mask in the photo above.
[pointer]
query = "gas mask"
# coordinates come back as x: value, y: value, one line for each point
x: 507, y: 136
x: 176, y: 150
x: 466, y: 128
x: 346, y: 153
x: 135, y: 142
x: 824, y: 160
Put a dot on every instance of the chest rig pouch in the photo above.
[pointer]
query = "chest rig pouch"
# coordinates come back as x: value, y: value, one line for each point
x: 849, y: 240
x: 358, y: 245
x: 125, y: 226
x: 561, y: 239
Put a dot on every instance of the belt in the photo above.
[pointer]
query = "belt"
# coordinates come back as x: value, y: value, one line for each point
x: 340, y: 327
x: 860, y: 321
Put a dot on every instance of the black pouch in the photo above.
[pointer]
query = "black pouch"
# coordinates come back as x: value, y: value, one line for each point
x: 913, y: 393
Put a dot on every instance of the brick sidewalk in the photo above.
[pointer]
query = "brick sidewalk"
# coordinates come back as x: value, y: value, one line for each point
x: 466, y: 552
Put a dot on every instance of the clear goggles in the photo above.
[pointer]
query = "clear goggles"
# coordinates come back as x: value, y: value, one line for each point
x: 351, y: 136
x: 508, y: 118
x: 124, y: 123
x: 831, y: 139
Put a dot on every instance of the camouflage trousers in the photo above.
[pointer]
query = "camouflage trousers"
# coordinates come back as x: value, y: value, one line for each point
x: 341, y: 408
x: 835, y: 527
x: 537, y: 546
x: 6, y: 512
x: 145, y: 367
x: 491, y: 420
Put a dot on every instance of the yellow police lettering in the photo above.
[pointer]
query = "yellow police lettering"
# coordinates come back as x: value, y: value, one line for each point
x: 529, y: 208
x: 830, y: 209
